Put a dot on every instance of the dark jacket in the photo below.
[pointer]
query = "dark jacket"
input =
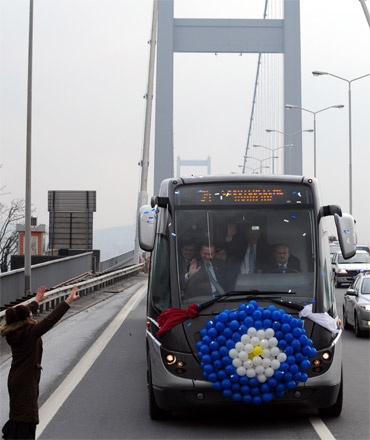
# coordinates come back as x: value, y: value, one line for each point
x: 293, y: 266
x: 200, y: 285
x: 25, y: 371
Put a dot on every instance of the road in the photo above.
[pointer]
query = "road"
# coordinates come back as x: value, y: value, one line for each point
x: 108, y: 400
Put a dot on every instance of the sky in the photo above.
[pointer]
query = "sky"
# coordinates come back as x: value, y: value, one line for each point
x: 90, y: 63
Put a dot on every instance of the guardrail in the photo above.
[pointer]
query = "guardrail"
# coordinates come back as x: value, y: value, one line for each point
x: 84, y: 287
x: 49, y: 273
x: 116, y: 262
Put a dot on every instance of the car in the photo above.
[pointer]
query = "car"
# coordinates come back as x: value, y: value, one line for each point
x: 345, y: 271
x: 356, y: 306
x: 363, y: 247
x: 334, y: 247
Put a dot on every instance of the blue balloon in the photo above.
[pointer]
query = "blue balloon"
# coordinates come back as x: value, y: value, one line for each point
x: 249, y: 321
x: 266, y: 323
x: 299, y: 357
x: 288, y: 376
x: 224, y: 317
x: 306, y: 350
x: 226, y: 360
x: 255, y: 392
x: 244, y: 380
x: 220, y: 326
x: 212, y: 332
x: 285, y: 328
x: 295, y: 345
x: 230, y: 344
x: 236, y: 337
x: 243, y: 329
x: 234, y: 325
x: 206, y: 340
x: 280, y: 388
x: 245, y: 389
x: 208, y: 368
x: 304, y: 365
x: 214, y: 345
x: 221, y: 339
x: 237, y: 397
x: 212, y: 377
x: 205, y: 349
x: 294, y: 369
x: 234, y: 378
x: 218, y: 364
x: 290, y: 360
x: 257, y: 400
x: 222, y: 375
x: 233, y: 315
x: 215, y: 355
x: 217, y: 385
x: 272, y: 382
x: 209, y: 324
x: 289, y: 350
x: 250, y: 309
x: 267, y: 313
x: 203, y: 332
x: 288, y: 337
x: 242, y: 315
x: 313, y: 352
x: 291, y: 384
x: 285, y: 318
x: 256, y: 315
x: 282, y: 344
x: 284, y: 366
x: 300, y: 323
x: 227, y: 393
x: 247, y: 398
x: 275, y: 315
x: 253, y: 303
x: 235, y: 387
x: 303, y: 340
x: 297, y: 377
x: 199, y: 344
x: 304, y: 377
x: 224, y: 351
x: 206, y: 359
x: 264, y: 388
x: 258, y: 325
x: 253, y: 382
x: 296, y: 331
x: 276, y: 325
x: 230, y: 369
x: 226, y: 384
x: 266, y: 397
x: 278, y: 375
x: 294, y: 323
x: 271, y: 307
x: 242, y: 307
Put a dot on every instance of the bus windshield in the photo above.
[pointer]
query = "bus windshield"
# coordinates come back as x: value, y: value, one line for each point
x: 248, y: 238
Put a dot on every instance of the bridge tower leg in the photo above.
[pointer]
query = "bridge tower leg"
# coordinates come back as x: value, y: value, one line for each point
x: 225, y: 36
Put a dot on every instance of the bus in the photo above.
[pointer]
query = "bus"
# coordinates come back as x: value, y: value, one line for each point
x: 227, y: 324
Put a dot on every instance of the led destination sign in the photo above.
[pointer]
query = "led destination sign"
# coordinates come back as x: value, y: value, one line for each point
x: 237, y: 194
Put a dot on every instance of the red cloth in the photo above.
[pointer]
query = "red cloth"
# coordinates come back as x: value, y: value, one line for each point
x: 173, y: 316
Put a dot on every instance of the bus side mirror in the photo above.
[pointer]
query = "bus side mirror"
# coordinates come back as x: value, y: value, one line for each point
x: 147, y: 227
x: 346, y: 234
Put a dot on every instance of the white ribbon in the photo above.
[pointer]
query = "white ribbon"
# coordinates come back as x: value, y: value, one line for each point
x: 323, y: 319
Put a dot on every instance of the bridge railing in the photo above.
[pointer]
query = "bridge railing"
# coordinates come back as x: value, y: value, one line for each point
x: 84, y: 287
x: 49, y: 273
x: 117, y: 262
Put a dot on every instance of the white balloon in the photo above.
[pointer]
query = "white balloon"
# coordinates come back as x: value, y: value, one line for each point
x: 274, y: 351
x: 245, y: 339
x: 257, y: 360
x: 269, y: 372
x: 261, y: 378
x: 266, y: 362
x: 266, y: 353
x: 261, y: 334
x: 237, y: 362
x: 252, y: 332
x: 243, y: 356
x: 251, y: 372
x: 281, y: 357
x: 248, y: 364
x: 233, y: 353
x: 264, y: 343
x: 249, y: 348
x: 273, y: 342
x: 260, y: 369
x: 255, y: 341
x: 275, y: 364
x: 239, y: 346
x: 269, y: 332
x: 241, y: 371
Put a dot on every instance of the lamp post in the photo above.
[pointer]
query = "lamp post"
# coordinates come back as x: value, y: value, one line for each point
x: 269, y: 130
x: 260, y: 161
x: 349, y: 82
x: 290, y: 107
x: 273, y: 152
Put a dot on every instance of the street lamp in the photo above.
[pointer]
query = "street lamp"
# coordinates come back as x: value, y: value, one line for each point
x: 273, y: 152
x: 269, y: 130
x: 260, y: 161
x: 319, y: 73
x: 290, y: 107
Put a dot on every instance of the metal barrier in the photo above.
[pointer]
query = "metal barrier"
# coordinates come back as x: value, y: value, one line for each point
x: 49, y: 273
x: 84, y: 287
x: 117, y: 262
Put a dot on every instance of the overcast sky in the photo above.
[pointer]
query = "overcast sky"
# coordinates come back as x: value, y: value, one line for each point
x: 89, y: 78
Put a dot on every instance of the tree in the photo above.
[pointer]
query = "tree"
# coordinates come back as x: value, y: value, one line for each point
x: 9, y: 217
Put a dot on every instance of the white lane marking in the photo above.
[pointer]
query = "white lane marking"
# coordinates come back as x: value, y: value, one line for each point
x: 321, y: 429
x: 60, y: 395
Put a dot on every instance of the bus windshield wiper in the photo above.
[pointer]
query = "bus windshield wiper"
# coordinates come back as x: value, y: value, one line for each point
x: 251, y: 294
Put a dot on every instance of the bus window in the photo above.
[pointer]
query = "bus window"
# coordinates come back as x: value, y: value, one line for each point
x: 159, y: 286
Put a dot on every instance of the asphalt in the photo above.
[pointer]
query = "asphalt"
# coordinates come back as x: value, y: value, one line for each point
x: 80, y: 305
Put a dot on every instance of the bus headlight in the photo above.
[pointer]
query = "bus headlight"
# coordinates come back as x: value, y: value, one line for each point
x: 170, y: 359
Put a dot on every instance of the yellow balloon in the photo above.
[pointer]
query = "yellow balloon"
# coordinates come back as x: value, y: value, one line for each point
x: 257, y: 350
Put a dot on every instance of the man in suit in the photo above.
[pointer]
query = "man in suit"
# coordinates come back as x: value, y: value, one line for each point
x: 248, y: 252
x: 206, y: 276
x: 284, y: 261
x: 187, y: 253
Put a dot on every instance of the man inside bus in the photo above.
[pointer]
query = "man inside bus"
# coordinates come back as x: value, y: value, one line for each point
x: 187, y: 253
x: 248, y: 252
x: 208, y: 275
x: 284, y: 262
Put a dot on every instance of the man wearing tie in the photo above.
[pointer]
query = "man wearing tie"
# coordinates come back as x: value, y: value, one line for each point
x: 248, y: 253
x: 284, y: 261
x: 207, y: 276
